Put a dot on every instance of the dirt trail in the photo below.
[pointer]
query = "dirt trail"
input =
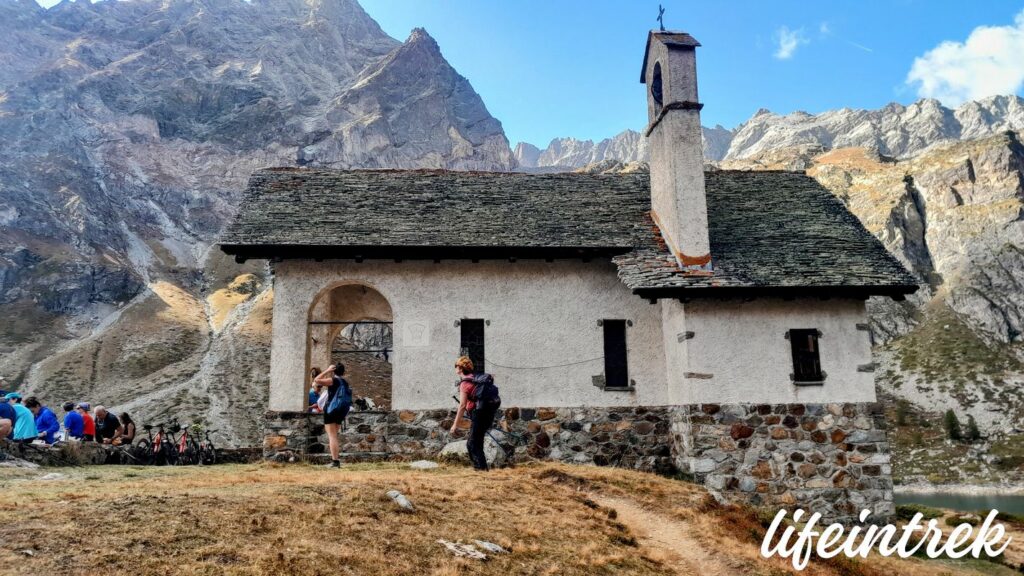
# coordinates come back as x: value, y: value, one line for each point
x: 666, y: 539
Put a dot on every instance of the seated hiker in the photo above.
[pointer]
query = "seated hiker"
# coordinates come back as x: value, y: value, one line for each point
x: 89, y: 428
x: 108, y: 426
x: 127, y: 435
x: 74, y: 424
x: 339, y: 402
x: 315, y: 390
x: 46, y: 421
x: 25, y: 425
x: 478, y: 398
x: 7, y: 416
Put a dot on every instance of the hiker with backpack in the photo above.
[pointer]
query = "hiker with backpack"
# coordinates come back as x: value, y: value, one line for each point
x: 336, y: 407
x: 479, y: 400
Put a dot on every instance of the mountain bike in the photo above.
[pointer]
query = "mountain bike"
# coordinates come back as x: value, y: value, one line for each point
x: 185, y: 447
x: 205, y: 452
x: 157, y: 449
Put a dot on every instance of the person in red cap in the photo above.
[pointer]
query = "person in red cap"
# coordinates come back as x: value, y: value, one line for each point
x: 89, y: 431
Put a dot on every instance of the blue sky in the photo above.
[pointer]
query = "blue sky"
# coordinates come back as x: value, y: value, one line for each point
x: 550, y: 68
x: 572, y: 67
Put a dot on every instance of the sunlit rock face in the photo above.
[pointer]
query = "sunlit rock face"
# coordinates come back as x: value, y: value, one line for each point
x: 895, y: 130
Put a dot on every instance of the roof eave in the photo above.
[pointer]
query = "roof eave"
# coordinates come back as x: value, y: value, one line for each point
x: 894, y: 291
x: 243, y: 252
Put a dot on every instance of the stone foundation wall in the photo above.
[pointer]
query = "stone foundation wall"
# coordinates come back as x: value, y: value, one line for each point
x: 637, y: 438
x: 66, y: 454
x: 828, y: 458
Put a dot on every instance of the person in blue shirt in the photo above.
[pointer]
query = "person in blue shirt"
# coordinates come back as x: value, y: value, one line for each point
x: 7, y: 416
x: 315, y: 390
x: 46, y: 421
x: 74, y: 424
x: 25, y: 425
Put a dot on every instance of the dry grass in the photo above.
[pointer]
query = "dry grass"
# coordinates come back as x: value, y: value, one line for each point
x: 264, y: 519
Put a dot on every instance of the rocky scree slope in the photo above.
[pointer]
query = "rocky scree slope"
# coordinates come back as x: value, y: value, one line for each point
x: 130, y: 129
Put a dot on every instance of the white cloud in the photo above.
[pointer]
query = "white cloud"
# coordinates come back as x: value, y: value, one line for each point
x: 989, y: 62
x: 788, y: 41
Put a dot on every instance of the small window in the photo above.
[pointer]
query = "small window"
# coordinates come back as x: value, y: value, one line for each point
x: 806, y: 357
x: 616, y: 374
x: 471, y: 342
x: 656, y: 89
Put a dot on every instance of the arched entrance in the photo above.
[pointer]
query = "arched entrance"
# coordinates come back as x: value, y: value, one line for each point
x: 351, y: 323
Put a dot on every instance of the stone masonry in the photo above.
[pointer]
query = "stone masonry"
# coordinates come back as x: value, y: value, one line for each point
x: 829, y: 458
x: 638, y: 438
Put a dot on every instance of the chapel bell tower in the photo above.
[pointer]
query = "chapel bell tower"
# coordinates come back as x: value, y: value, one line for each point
x: 678, y: 203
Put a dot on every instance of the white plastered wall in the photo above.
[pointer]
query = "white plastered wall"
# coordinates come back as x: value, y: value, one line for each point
x: 742, y: 346
x: 541, y: 315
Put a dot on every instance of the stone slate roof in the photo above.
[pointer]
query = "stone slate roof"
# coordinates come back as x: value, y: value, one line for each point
x: 769, y: 231
x: 772, y: 230
x: 286, y: 206
x: 670, y: 38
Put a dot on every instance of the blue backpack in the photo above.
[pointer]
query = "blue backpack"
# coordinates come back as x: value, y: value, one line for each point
x: 342, y: 398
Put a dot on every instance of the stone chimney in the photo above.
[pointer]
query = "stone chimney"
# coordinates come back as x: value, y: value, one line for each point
x: 678, y: 204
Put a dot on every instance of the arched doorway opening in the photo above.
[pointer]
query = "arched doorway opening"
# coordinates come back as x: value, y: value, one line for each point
x: 352, y: 323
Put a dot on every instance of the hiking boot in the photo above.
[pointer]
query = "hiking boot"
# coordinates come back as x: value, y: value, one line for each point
x: 333, y: 464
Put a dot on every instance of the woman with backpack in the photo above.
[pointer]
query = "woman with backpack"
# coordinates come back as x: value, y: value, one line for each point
x: 481, y: 414
x: 339, y: 401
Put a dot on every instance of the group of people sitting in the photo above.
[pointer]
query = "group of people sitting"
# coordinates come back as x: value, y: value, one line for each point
x: 29, y: 420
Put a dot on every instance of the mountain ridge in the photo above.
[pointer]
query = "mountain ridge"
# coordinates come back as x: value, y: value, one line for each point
x: 892, y: 130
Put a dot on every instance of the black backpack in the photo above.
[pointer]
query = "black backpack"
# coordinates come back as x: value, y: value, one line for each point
x: 485, y: 392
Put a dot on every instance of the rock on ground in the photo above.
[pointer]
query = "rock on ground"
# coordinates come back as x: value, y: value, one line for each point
x: 494, y: 453
x: 423, y: 465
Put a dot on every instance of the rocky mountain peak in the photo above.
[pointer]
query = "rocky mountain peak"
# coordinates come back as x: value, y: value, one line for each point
x: 28, y: 9
x: 420, y: 48
x: 629, y: 146
x: 421, y: 35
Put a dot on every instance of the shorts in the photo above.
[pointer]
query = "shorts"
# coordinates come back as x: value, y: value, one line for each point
x: 336, y: 417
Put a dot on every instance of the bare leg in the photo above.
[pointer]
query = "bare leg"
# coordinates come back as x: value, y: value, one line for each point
x: 5, y: 428
x: 332, y: 439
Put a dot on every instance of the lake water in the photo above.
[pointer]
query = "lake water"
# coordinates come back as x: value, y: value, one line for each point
x: 1013, y: 504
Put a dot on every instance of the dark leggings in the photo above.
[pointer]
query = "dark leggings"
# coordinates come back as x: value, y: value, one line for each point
x: 483, y: 418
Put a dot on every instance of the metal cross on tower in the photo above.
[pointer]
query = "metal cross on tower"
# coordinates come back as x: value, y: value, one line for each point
x: 661, y: 17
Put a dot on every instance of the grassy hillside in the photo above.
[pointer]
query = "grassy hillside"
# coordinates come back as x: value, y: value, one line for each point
x: 264, y: 519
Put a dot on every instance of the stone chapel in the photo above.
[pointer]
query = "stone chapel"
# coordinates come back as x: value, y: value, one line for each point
x: 711, y: 322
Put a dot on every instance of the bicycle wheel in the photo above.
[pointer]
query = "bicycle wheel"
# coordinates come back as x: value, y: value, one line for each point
x: 168, y: 453
x: 192, y: 452
x: 144, y: 453
x: 208, y: 454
